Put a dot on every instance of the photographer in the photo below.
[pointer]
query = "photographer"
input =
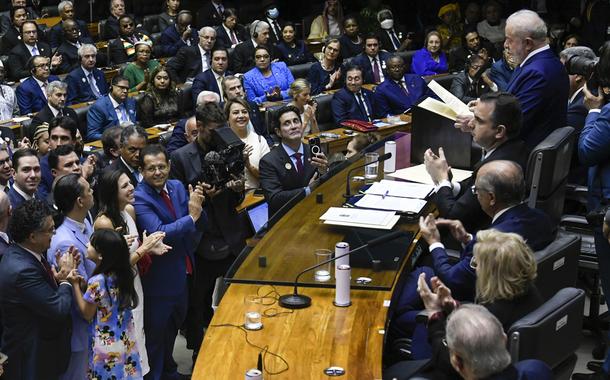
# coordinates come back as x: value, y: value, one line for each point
x: 223, y: 238
x: 469, y: 84
x: 593, y: 152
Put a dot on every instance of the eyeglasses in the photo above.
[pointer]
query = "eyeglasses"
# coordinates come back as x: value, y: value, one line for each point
x: 122, y: 88
x: 153, y: 169
x: 473, y: 263
x: 475, y: 190
x: 42, y: 66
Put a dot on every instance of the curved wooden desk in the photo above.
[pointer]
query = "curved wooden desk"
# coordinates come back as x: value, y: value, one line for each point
x: 310, y: 339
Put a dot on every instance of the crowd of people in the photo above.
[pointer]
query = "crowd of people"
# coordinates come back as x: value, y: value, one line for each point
x: 105, y: 256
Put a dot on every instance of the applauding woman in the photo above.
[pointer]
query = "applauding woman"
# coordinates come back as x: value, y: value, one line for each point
x: 237, y: 113
x: 267, y: 81
x: 326, y: 74
x: 159, y: 105
x: 138, y: 71
x: 300, y: 91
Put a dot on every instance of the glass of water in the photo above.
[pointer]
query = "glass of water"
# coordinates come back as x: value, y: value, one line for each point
x: 253, y: 319
x: 370, y: 171
x: 322, y: 273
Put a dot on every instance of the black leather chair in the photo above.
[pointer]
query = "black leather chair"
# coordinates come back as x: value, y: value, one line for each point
x: 547, y: 172
x: 325, y: 113
x: 444, y: 80
x: 300, y: 71
x: 557, y: 265
x: 150, y: 23
x: 185, y: 101
x: 81, y: 112
x: 551, y: 333
x: 50, y: 11
x: 407, y: 55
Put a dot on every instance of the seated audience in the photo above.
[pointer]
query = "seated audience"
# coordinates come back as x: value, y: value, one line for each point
x: 472, y: 46
x: 138, y: 71
x: 272, y: 17
x: 350, y: 40
x: 238, y: 117
x: 211, y: 79
x: 26, y: 49
x: 492, y: 27
x: 35, y: 300
x: 430, y: 60
x: 353, y: 101
x: 6, y: 17
x: 26, y: 177
x: 159, y: 104
x: 391, y: 36
x: 450, y: 29
x: 112, y: 109
x: 300, y: 92
x: 501, y: 72
x: 86, y: 83
x: 372, y: 60
x: 110, y: 148
x: 229, y: 32
x: 9, y: 106
x: 359, y: 142
x: 470, y: 84
x: 12, y: 34
x: 210, y: 14
x: 56, y: 106
x: 232, y: 88
x: 123, y: 48
x: 243, y: 55
x: 66, y: 12
x: 72, y: 41
x: 292, y: 51
x: 326, y: 74
x: 399, y: 91
x: 192, y: 60
x: 40, y: 141
x: 268, y: 81
x: 329, y: 22
x: 31, y: 92
x: 496, y: 128
x: 167, y: 18
x: 184, y: 132
x: 111, y: 26
x: 131, y: 142
x: 289, y: 170
x: 571, y: 40
x: 177, y: 36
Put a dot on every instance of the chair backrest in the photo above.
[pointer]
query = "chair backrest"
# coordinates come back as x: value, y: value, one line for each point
x: 407, y: 55
x: 50, y: 11
x: 185, y: 98
x: 444, y: 80
x: 101, y: 25
x: 557, y: 265
x: 325, y: 113
x: 81, y: 112
x: 547, y: 171
x: 550, y: 333
x: 300, y: 71
x: 151, y: 24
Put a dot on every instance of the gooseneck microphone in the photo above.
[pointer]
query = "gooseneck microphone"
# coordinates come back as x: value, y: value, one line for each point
x: 299, y: 301
x: 381, y: 158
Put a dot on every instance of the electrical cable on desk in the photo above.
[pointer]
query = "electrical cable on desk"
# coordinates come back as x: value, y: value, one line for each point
x: 274, y: 296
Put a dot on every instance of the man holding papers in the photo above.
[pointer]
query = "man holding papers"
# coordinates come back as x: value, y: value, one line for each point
x: 291, y: 169
x: 495, y: 127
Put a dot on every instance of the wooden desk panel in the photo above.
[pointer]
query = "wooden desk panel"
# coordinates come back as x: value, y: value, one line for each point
x: 310, y: 339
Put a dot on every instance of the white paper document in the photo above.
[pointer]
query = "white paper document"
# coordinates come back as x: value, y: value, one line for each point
x: 360, y: 217
x: 451, y: 100
x: 419, y: 174
x: 380, y: 202
x: 400, y: 189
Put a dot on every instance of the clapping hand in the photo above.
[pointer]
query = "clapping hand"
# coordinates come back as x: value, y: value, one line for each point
x: 437, y: 299
x: 427, y: 227
x: 153, y: 243
x: 437, y: 166
x: 456, y: 228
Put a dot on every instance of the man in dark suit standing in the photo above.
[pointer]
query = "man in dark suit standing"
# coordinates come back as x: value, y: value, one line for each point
x: 211, y: 79
x: 243, y: 55
x: 26, y: 177
x: 210, y: 14
x: 35, y: 299
x: 192, y: 60
x: 32, y: 92
x: 56, y: 101
x: 272, y: 17
x: 223, y: 239
x: 68, y: 49
x: 5, y: 216
x: 164, y: 205
x: 86, y: 83
x: 290, y: 170
x: 372, y: 60
x: 495, y: 128
x: 399, y: 91
x: 113, y: 109
x: 353, y: 102
x: 66, y: 12
x: 133, y: 139
x: 177, y: 36
x: 29, y: 47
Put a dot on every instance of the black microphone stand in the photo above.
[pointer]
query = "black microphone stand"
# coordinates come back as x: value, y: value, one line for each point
x: 381, y: 158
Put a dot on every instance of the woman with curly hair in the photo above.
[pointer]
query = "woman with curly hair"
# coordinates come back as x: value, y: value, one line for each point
x: 159, y: 104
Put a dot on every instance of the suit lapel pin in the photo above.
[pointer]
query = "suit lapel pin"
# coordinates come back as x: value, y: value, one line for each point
x: 288, y: 166
x: 84, y: 80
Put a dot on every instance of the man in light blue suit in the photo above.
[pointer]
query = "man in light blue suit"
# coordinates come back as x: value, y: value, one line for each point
x: 113, y: 109
x: 86, y: 83
x: 164, y: 205
x: 73, y: 199
x: 353, y: 102
x: 399, y: 91
x: 31, y: 93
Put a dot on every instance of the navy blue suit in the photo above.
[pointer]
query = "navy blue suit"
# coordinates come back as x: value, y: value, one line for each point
x: 345, y: 107
x: 500, y: 73
x: 542, y: 87
x: 30, y: 97
x: 171, y: 41
x: 577, y: 112
x: 364, y: 62
x: 16, y: 199
x: 79, y: 89
x: 56, y: 35
x: 318, y: 78
x: 35, y: 316
x: 390, y: 98
x: 164, y: 284
x: 205, y: 81
x: 102, y: 116
x: 177, y: 140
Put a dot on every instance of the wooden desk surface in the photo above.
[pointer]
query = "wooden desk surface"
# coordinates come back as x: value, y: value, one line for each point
x: 310, y: 339
x: 48, y: 21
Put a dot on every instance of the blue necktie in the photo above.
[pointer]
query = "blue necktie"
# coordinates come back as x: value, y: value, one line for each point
x: 93, y: 86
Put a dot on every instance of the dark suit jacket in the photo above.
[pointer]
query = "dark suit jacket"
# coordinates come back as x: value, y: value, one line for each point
x: 69, y: 55
x: 119, y: 165
x: 222, y: 235
x: 242, y: 58
x: 79, y: 90
x: 466, y: 91
x: 117, y: 52
x: 364, y: 62
x: 102, y: 116
x: 390, y: 99
x: 10, y: 39
x: 344, y: 105
x: 111, y: 28
x: 384, y: 38
x: 208, y: 15
x: 171, y: 41
x: 56, y: 34
x: 465, y: 206
x: 541, y: 86
x: 223, y: 39
x: 30, y: 96
x: 279, y: 178
x: 45, y: 115
x: 577, y: 112
x: 36, y: 318
x: 20, y: 55
x: 186, y: 64
x: 205, y: 81
x: 177, y: 140
x: 273, y: 40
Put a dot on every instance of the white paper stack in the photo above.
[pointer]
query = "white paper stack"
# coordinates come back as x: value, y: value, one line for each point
x: 379, y: 202
x: 400, y: 189
x: 363, y: 218
x: 419, y: 174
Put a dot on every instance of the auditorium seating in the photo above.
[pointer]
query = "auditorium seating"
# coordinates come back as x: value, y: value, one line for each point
x: 300, y: 71
x: 150, y: 23
x: 557, y: 265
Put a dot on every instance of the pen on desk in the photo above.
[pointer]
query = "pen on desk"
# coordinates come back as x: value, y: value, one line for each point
x: 385, y: 194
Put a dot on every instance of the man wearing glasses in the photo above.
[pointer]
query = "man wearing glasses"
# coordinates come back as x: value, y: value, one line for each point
x: 32, y: 92
x: 20, y: 56
x: 115, y: 108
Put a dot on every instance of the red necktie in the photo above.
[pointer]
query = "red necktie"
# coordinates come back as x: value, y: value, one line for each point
x: 300, y: 168
x: 170, y: 207
x: 47, y: 268
x: 376, y: 75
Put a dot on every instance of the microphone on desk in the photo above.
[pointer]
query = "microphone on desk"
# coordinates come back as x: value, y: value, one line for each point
x: 299, y: 301
x: 381, y: 158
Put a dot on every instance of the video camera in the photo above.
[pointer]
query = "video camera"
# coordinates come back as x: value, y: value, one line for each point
x: 225, y: 160
x: 588, y: 68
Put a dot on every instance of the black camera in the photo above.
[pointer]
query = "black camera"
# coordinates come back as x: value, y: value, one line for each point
x: 225, y: 160
x: 579, y: 65
x: 314, y: 146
